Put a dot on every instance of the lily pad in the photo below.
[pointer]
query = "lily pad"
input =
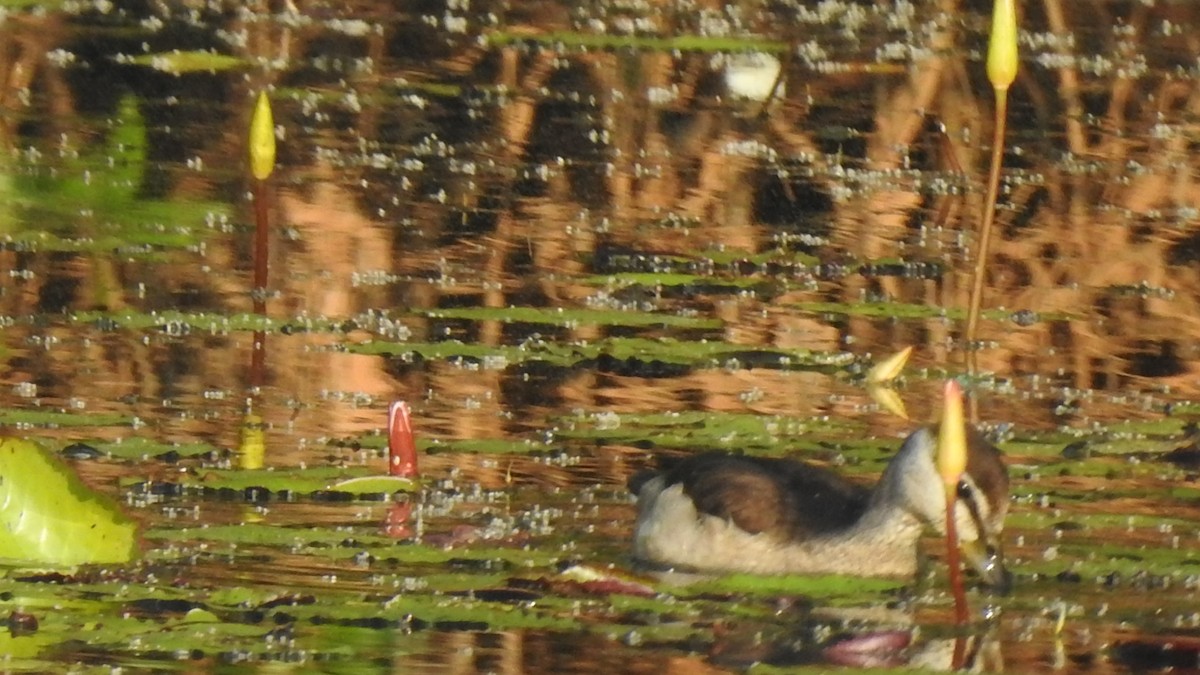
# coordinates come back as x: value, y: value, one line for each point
x: 822, y: 586
x: 690, y: 353
x: 49, y: 517
x: 698, y: 43
x: 376, y: 485
x: 653, y: 279
x: 181, y: 62
x: 26, y: 418
x: 700, y: 430
x: 573, y: 317
x: 290, y: 481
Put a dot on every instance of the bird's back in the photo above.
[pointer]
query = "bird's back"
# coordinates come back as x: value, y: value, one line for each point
x: 790, y: 500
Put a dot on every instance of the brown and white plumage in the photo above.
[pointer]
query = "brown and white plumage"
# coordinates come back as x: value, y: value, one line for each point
x: 716, y: 512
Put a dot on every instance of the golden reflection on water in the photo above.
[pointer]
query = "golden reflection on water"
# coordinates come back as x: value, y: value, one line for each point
x: 422, y: 168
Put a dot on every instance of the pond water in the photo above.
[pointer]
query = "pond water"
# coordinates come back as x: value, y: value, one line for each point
x: 574, y: 237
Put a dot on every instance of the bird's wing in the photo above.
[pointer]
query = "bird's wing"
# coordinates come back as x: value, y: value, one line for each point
x: 785, y: 498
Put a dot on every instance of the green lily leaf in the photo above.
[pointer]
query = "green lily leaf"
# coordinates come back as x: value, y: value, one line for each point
x: 181, y: 62
x: 376, y: 485
x: 49, y: 517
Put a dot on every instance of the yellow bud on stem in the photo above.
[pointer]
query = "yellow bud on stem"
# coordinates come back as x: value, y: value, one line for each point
x: 252, y: 447
x: 952, y: 438
x: 262, y: 139
x: 1002, y: 47
x: 951, y: 463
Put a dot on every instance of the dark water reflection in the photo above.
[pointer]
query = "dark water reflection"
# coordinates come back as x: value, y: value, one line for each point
x: 444, y: 157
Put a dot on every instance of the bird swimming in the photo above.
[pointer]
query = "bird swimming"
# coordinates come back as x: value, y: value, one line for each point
x: 715, y: 512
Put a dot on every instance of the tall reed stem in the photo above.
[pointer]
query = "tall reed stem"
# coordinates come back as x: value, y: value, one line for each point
x: 982, y: 250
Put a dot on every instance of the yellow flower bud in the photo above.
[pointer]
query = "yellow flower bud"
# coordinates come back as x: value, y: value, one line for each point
x: 262, y: 139
x: 1002, y: 47
x: 952, y: 438
x: 252, y: 447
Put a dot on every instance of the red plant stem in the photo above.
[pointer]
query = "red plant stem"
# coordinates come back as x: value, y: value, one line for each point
x: 258, y: 294
x: 952, y: 560
x: 261, y: 230
x: 402, y: 447
x: 258, y: 359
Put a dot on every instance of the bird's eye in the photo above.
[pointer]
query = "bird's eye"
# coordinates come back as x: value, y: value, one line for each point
x: 964, y: 490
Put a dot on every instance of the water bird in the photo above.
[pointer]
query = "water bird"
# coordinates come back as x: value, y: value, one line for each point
x: 716, y: 512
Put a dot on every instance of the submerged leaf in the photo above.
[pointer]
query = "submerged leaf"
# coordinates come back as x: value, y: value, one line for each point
x: 49, y: 517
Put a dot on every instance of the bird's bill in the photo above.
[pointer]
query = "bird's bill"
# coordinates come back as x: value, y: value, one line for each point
x: 988, y: 563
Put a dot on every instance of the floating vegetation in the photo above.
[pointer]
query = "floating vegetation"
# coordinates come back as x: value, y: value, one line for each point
x: 254, y: 485
x: 829, y: 588
x: 27, y: 418
x: 181, y: 323
x: 49, y: 518
x: 571, y: 318
x: 670, y: 279
x: 629, y: 356
x: 683, y: 43
x: 700, y: 431
x: 142, y: 448
x: 183, y: 62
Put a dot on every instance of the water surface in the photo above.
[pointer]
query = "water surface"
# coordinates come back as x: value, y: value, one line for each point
x: 558, y: 233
